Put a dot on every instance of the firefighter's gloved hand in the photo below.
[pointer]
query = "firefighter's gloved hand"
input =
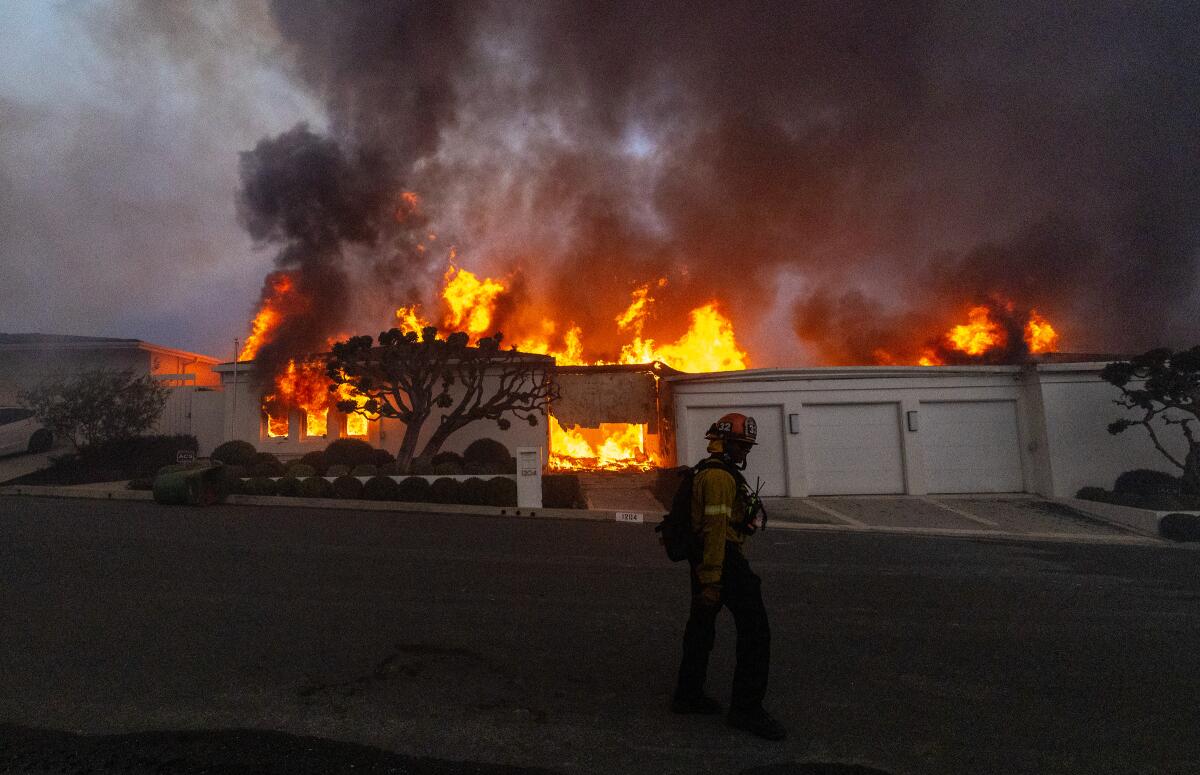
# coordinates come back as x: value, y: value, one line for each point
x: 710, y: 595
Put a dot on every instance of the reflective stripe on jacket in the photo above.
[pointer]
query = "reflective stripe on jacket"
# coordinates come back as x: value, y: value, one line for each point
x: 716, y: 508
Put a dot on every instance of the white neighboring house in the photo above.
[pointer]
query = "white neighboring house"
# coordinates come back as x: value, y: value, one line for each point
x: 193, y: 406
x: 1038, y: 428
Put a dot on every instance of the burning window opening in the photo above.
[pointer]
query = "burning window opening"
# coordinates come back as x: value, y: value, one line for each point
x: 316, y: 423
x: 611, y: 447
x: 277, y: 424
x: 356, y: 426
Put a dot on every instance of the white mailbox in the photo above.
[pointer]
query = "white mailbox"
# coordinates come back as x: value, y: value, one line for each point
x: 529, y: 477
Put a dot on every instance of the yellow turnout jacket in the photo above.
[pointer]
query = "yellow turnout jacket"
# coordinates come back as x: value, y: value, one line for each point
x: 716, y: 508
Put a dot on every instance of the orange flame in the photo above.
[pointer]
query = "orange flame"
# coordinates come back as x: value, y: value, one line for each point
x: 1039, y: 334
x: 613, y: 446
x: 979, y: 335
x: 269, y: 315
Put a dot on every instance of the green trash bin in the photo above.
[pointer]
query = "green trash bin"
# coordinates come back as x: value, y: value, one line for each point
x: 201, y: 486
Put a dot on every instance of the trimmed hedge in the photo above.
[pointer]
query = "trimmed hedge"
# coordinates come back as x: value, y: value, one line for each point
x: 562, y: 491
x: 473, y: 492
x: 421, y: 466
x: 381, y: 457
x: 259, y: 485
x: 487, y: 454
x: 347, y: 487
x: 381, y: 488
x: 349, y: 452
x: 1179, y: 527
x: 315, y: 487
x: 337, y: 470
x: 237, y: 453
x: 390, y: 469
x: 1146, y: 483
x: 266, y: 464
x: 500, y: 492
x: 317, y: 460
x: 448, y: 457
x: 289, y: 486
x: 300, y: 470
x: 414, y: 490
x: 448, y: 468
x: 364, y: 469
x: 445, y: 490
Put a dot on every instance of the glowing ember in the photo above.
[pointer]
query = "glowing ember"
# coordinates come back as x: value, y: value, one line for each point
x: 613, y: 446
x: 979, y: 335
x: 1039, y: 334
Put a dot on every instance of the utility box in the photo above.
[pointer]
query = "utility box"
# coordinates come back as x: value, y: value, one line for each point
x: 529, y: 477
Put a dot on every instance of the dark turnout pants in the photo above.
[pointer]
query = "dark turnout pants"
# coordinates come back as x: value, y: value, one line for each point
x: 741, y: 593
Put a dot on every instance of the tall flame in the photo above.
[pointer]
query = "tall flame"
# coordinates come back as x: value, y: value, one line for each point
x: 269, y: 314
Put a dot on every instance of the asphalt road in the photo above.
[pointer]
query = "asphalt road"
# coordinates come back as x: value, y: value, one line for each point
x: 140, y: 638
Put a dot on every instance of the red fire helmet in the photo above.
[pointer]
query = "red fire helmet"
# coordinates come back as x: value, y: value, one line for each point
x: 734, y: 427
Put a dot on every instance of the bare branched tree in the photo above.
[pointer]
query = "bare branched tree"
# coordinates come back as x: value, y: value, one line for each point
x: 408, y: 378
x: 1163, y: 386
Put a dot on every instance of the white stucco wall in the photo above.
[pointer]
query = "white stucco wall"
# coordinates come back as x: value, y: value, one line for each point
x: 1078, y: 407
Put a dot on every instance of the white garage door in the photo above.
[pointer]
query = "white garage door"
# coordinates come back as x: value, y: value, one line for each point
x: 766, y: 461
x: 852, y: 449
x: 971, y: 446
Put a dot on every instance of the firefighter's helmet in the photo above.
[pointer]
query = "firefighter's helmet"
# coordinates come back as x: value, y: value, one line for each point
x: 734, y: 427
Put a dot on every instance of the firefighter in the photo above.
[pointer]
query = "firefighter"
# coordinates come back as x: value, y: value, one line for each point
x: 724, y: 513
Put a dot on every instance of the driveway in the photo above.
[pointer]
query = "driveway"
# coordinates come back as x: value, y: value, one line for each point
x: 996, y: 515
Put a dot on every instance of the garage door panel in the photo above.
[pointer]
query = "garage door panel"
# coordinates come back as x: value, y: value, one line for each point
x: 971, y: 446
x: 853, y: 449
x: 767, y: 461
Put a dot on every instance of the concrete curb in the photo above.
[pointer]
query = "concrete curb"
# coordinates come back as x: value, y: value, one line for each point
x: 949, y: 532
x: 1140, y: 521
x: 278, y: 501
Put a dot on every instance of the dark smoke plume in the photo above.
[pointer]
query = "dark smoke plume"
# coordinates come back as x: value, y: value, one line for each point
x: 874, y: 168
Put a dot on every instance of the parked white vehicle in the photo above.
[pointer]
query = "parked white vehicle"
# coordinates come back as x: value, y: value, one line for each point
x: 21, y: 432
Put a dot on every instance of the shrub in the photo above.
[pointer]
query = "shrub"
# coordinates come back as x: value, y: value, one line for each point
x: 347, y: 487
x: 315, y: 487
x: 414, y: 489
x: 229, y: 479
x: 447, y: 468
x: 1180, y: 527
x: 98, y: 406
x: 317, y: 460
x: 421, y: 466
x: 259, y: 485
x: 486, y: 453
x: 448, y: 457
x: 1091, y: 494
x: 501, y: 491
x: 289, y: 486
x: 300, y: 470
x: 1146, y: 483
x: 170, y: 469
x: 337, y: 470
x: 145, y: 483
x: 364, y: 469
x: 445, y: 491
x: 381, y: 457
x: 349, y: 452
x: 237, y: 453
x: 266, y: 464
x: 390, y: 469
x: 562, y: 491
x: 473, y: 491
x: 381, y: 488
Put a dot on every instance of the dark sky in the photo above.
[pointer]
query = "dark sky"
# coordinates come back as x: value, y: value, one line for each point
x: 877, y: 166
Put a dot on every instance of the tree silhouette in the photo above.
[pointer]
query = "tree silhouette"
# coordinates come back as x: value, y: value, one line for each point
x: 409, y: 377
x: 1165, y: 386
